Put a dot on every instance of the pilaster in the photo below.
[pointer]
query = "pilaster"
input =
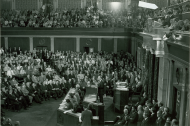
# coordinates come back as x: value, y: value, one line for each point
x: 6, y: 43
x: 99, y: 44
x: 163, y: 80
x: 170, y: 85
x: 77, y: 44
x: 31, y: 44
x: 99, y: 4
x: 13, y: 4
x: 52, y: 44
x: 183, y: 100
x: 115, y: 45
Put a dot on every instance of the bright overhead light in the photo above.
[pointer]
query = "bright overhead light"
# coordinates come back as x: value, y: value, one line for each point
x: 147, y: 5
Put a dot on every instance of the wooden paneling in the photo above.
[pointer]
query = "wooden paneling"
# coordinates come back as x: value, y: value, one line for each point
x: 65, y: 44
x: 107, y: 44
x: 123, y: 44
x: 6, y: 4
x: 89, y: 42
x: 26, y: 4
x: 42, y: 41
x: 22, y: 42
x: 3, y: 42
x: 69, y: 4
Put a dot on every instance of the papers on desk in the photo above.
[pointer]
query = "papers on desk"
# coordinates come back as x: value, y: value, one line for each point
x: 95, y: 117
x: 122, y: 89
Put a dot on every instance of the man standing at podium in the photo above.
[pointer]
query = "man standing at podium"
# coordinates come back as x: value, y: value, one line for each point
x: 100, y: 87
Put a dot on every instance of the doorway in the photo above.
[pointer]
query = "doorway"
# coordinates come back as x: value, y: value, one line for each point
x: 86, y: 49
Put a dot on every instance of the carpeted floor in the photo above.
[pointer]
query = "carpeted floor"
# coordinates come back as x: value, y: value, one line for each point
x: 37, y: 115
x: 46, y: 114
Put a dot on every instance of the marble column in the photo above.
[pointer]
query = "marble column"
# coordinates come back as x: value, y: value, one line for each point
x: 13, y: 4
x: 99, y: 44
x: 31, y: 44
x: 170, y: 85
x: 115, y: 45
x: 99, y: 4
x: 83, y: 3
x: 52, y: 44
x: 6, y: 43
x: 77, y: 44
x: 183, y: 100
x: 163, y: 80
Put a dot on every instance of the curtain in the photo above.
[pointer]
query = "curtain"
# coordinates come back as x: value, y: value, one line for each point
x: 155, y: 81
x: 151, y: 75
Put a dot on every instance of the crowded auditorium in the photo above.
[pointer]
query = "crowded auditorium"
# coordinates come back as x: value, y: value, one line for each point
x: 95, y: 62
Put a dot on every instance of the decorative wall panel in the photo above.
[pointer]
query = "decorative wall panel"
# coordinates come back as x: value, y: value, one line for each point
x: 26, y: 4
x: 69, y: 4
x: 42, y: 41
x: 2, y: 42
x: 89, y: 42
x: 123, y: 44
x: 64, y: 44
x: 22, y: 42
x: 6, y: 4
x: 107, y: 44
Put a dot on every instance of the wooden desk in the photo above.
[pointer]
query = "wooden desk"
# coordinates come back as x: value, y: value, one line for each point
x: 120, y: 99
x: 70, y: 118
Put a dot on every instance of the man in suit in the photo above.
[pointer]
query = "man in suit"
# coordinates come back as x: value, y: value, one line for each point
x: 153, y: 116
x: 51, y: 90
x: 42, y: 78
x: 13, y: 100
x: 122, y: 120
x: 35, y: 79
x: 165, y: 114
x: 86, y: 117
x: 155, y: 104
x: 146, y: 120
x: 160, y: 121
x: 143, y: 99
x: 20, y: 98
x: 33, y: 93
x: 133, y: 117
x: 58, y: 91
x: 44, y: 88
x: 28, y: 79
x: 100, y: 89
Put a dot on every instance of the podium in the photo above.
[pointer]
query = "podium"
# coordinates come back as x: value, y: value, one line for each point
x: 121, y: 98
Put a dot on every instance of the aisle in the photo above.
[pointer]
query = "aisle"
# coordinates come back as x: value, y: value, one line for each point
x: 38, y: 115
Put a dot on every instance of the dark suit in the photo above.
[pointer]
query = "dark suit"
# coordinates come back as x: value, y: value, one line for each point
x: 86, y: 118
x: 21, y: 99
x: 31, y: 92
x: 59, y: 92
x: 153, y: 118
x: 160, y: 122
x: 133, y: 121
x: 46, y: 94
x: 143, y: 100
x: 100, y: 91
x: 123, y: 120
x: 52, y: 92
x: 13, y: 101
x: 146, y: 122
